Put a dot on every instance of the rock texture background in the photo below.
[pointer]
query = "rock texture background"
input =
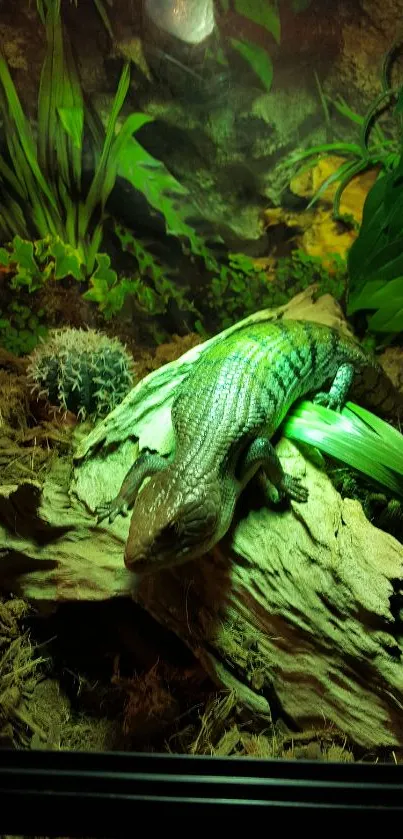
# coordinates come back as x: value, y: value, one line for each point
x: 229, y: 156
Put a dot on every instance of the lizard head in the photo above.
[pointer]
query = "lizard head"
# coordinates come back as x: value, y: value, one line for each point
x: 172, y: 523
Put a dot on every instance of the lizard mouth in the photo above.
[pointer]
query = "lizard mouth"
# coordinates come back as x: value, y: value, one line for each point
x: 151, y: 564
x: 174, y: 541
x: 164, y: 552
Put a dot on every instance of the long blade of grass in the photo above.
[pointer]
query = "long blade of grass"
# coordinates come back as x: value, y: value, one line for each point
x: 71, y: 112
x: 342, y: 149
x: 13, y: 220
x: 41, y: 10
x: 52, y: 158
x: 10, y: 176
x: 93, y: 247
x: 96, y: 129
x: 323, y: 100
x: 61, y: 105
x: 42, y: 213
x: 344, y: 109
x: 351, y: 439
x: 103, y: 180
x: 391, y: 436
x: 22, y: 128
x: 370, y: 115
x: 350, y: 173
x: 342, y: 171
x: 47, y: 115
x: 104, y: 17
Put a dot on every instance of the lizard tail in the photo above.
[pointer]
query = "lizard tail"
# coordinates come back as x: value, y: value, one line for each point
x: 375, y: 391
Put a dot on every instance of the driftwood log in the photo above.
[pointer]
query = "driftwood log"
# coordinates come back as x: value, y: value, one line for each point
x: 296, y: 609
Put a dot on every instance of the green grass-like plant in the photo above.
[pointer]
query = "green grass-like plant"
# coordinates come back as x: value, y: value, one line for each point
x: 42, y: 179
x: 354, y: 436
x: 375, y: 147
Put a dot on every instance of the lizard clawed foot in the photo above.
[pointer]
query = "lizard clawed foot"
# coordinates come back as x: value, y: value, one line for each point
x: 292, y: 487
x: 328, y: 400
x: 111, y: 510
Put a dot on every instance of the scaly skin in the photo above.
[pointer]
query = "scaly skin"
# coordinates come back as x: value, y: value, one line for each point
x: 223, y: 415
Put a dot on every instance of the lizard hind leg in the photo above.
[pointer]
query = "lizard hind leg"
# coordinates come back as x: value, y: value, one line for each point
x: 336, y: 397
x: 270, y: 471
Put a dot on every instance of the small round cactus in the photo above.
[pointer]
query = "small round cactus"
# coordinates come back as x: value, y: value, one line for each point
x: 82, y: 371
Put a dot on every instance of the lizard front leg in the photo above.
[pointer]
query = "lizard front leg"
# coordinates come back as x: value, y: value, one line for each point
x: 262, y: 456
x: 146, y: 465
x: 336, y: 397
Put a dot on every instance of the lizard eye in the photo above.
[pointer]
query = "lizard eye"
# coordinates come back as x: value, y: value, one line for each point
x: 168, y: 535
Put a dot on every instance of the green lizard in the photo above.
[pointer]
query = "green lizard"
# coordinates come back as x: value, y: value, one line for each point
x: 224, y: 414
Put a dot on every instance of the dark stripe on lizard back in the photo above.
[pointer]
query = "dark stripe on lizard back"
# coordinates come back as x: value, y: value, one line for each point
x: 313, y: 352
x: 285, y: 330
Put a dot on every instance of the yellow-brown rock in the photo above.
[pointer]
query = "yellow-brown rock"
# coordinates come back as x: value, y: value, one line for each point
x: 352, y: 201
x: 318, y: 234
x: 326, y: 237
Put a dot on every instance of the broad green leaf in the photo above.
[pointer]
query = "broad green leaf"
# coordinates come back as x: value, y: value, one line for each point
x: 23, y: 252
x: 263, y: 12
x: 104, y: 274
x: 164, y: 194
x: 376, y: 294
x: 4, y: 257
x: 107, y: 293
x: 388, y: 263
x: 371, y: 232
x: 257, y: 58
x: 67, y: 260
x: 98, y: 292
x: 389, y: 318
x: 361, y: 298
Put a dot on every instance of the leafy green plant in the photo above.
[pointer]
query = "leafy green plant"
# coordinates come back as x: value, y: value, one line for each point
x: 20, y: 329
x: 32, y: 264
x: 374, y: 148
x: 257, y: 58
x: 300, y: 270
x: 239, y: 287
x: 375, y: 260
x: 163, y: 193
x: 149, y: 285
x: 42, y: 181
x: 28, y: 266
